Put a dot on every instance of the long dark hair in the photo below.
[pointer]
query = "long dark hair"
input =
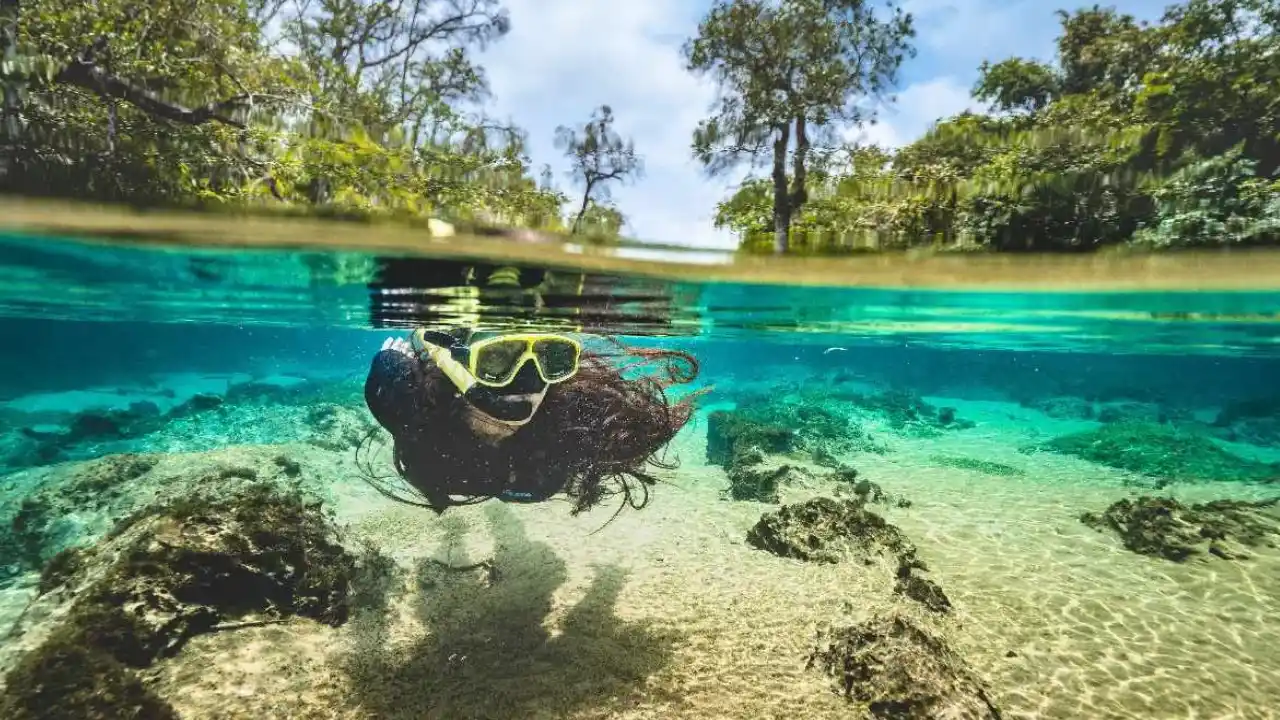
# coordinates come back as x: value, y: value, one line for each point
x: 599, y: 434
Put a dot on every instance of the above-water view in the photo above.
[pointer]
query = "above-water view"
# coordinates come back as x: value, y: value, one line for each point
x: 249, y: 483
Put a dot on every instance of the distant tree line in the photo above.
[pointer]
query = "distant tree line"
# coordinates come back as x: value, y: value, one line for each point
x: 1162, y: 135
x: 340, y: 106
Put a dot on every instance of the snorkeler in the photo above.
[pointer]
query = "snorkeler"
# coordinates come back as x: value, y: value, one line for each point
x: 523, y: 417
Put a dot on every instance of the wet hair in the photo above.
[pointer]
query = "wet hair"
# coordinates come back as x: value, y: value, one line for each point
x: 596, y: 436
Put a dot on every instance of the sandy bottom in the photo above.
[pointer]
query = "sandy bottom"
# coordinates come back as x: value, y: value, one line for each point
x: 667, y: 613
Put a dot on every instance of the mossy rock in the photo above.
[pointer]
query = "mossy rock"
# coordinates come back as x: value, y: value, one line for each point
x: 827, y: 531
x: 101, y: 479
x: 753, y: 478
x: 911, y: 584
x: 727, y: 431
x: 866, y: 492
x: 174, y: 571
x: 897, y: 670
x: 909, y: 414
x: 1068, y: 407
x: 69, y: 679
x: 807, y: 425
x: 1161, y: 451
x: 1164, y: 527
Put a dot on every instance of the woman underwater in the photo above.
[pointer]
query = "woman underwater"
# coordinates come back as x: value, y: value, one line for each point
x: 522, y: 417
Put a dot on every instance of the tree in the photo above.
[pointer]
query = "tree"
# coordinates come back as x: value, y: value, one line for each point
x: 1155, y: 135
x: 1016, y: 84
x: 598, y: 156
x: 795, y: 68
x: 195, y: 102
x: 602, y: 221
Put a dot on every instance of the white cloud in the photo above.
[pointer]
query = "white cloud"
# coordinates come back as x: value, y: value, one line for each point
x: 915, y: 109
x: 563, y: 58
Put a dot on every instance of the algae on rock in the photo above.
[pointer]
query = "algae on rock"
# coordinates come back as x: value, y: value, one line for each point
x: 1160, y: 451
x: 826, y: 531
x: 175, y: 570
x: 897, y: 670
x: 1164, y: 527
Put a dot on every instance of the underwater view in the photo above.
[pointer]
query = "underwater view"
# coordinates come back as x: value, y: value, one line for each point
x: 230, y: 490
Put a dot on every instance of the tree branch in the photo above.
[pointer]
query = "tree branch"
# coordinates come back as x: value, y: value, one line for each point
x: 85, y: 74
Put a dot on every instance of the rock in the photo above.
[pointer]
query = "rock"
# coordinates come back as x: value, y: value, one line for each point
x: 1066, y: 407
x: 1163, y: 452
x: 727, y: 431
x: 897, y: 670
x: 1164, y: 527
x: 865, y: 491
x: 916, y: 587
x: 827, y: 531
x: 101, y: 479
x: 1140, y: 412
x: 171, y: 572
x: 753, y: 477
x: 68, y: 680
x: 910, y: 414
x: 337, y: 428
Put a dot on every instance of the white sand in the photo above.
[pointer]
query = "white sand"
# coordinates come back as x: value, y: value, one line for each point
x: 667, y: 613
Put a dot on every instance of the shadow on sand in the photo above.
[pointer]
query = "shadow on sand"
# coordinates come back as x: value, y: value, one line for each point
x: 486, y: 653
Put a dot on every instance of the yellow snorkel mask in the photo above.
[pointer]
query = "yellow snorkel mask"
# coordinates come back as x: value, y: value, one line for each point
x: 496, y: 361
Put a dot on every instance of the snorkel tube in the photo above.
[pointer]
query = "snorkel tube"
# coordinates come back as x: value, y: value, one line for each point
x: 452, y: 369
x: 510, y: 410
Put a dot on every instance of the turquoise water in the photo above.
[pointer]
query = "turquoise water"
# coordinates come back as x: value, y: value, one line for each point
x: 1047, y: 464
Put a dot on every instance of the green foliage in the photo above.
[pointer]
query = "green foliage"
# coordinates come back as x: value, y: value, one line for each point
x: 797, y: 69
x: 1215, y: 201
x: 1159, y: 135
x: 193, y: 104
x: 1017, y: 84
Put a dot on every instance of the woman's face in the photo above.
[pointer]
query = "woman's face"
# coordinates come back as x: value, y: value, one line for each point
x: 499, y: 412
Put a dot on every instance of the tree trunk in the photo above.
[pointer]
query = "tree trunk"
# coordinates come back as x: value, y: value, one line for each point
x: 799, y: 195
x: 586, y: 198
x: 10, y: 133
x: 781, y: 198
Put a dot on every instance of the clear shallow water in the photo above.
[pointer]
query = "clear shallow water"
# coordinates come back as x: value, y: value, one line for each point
x: 1001, y: 416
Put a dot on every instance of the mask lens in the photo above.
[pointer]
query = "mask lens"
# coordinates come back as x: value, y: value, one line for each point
x: 496, y: 362
x: 559, y: 359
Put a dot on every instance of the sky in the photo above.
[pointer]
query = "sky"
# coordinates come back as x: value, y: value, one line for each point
x: 564, y: 58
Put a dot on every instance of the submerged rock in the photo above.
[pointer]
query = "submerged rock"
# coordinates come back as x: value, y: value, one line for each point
x: 337, y: 428
x: 1067, y: 407
x: 909, y: 413
x: 824, y: 530
x: 912, y: 584
x: 896, y: 669
x: 827, y: 531
x: 806, y: 425
x: 1164, y: 527
x: 67, y: 680
x: 728, y: 433
x: 1251, y: 420
x: 169, y: 573
x: 1161, y: 451
x: 866, y: 492
x: 754, y: 477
